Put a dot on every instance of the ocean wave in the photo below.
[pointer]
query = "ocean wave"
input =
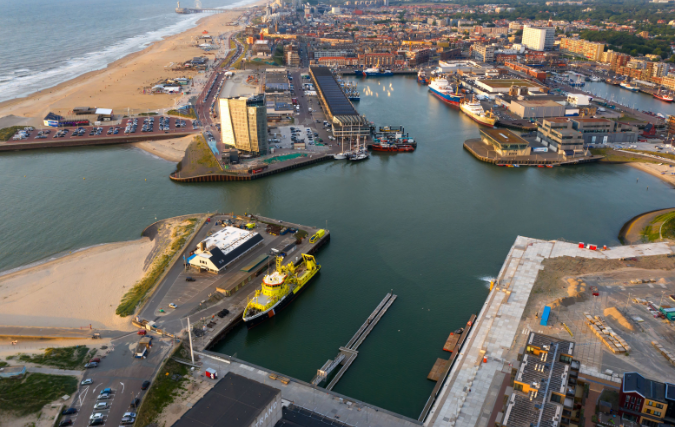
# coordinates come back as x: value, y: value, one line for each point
x: 24, y: 82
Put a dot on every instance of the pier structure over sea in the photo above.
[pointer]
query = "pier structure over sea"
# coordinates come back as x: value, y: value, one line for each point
x: 348, y: 353
x: 469, y: 396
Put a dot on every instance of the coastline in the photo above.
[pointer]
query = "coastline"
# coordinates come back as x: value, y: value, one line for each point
x: 120, y: 85
x: 171, y: 150
x: 655, y: 170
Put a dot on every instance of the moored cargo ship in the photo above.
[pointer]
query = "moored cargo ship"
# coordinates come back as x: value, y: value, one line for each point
x: 475, y: 110
x: 663, y: 97
x: 443, y: 90
x: 279, y: 289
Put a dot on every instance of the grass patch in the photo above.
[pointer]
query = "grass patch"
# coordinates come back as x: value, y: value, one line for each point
x: 206, y: 155
x: 147, y: 114
x: 653, y: 153
x: 190, y: 114
x: 62, y: 358
x: 137, y: 294
x: 27, y: 395
x: 3, y: 364
x: 7, y: 133
x: 655, y: 230
x: 163, y: 390
x: 613, y: 156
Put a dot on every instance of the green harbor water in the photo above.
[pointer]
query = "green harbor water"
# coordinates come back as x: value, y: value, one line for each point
x: 433, y: 225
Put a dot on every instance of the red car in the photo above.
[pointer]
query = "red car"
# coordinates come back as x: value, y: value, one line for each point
x: 142, y: 332
x: 95, y: 359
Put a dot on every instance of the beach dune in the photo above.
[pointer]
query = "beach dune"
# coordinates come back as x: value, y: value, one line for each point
x: 77, y: 290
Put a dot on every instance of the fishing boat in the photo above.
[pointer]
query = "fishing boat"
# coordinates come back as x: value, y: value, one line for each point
x: 663, y: 96
x: 391, y: 147
x: 628, y: 86
x: 596, y: 79
x: 375, y: 71
x: 475, y: 110
x: 443, y: 90
x: 279, y: 289
x: 422, y: 77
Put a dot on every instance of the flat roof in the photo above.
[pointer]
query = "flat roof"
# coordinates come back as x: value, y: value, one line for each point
x: 228, y: 239
x: 234, y: 401
x: 538, y: 103
x: 503, y: 136
x: 508, y: 82
x: 336, y: 99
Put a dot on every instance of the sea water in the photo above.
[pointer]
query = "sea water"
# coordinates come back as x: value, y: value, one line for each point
x: 47, y: 42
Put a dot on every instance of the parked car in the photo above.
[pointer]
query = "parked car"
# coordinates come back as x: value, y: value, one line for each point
x: 172, y: 305
x: 107, y: 390
x: 129, y: 414
x: 69, y: 411
x: 134, y: 403
x: 96, y: 415
x: 224, y: 312
x: 90, y: 365
x: 145, y: 385
x: 190, y: 279
x: 127, y: 420
x: 103, y: 396
x: 101, y: 405
x: 95, y: 360
x: 142, y: 332
x: 87, y: 382
x: 66, y: 422
x: 96, y: 422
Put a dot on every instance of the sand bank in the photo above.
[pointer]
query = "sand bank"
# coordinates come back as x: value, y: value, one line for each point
x: 172, y: 150
x: 120, y: 85
x: 657, y: 170
x: 77, y: 290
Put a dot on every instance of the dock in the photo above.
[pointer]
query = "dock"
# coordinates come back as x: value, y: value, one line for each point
x: 487, y: 154
x: 348, y: 353
x: 453, y: 340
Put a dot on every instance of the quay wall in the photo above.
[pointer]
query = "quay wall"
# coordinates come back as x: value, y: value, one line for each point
x: 19, y: 146
x: 248, y: 176
x: 528, y: 162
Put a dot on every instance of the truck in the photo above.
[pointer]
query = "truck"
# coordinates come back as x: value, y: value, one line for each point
x: 142, y: 348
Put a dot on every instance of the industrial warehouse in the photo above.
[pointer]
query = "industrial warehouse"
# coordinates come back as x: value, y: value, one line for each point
x: 221, y: 248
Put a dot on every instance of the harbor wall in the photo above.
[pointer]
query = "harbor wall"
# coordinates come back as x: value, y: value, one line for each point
x: 19, y: 146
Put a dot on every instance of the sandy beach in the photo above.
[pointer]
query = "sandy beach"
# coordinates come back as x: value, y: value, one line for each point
x: 657, y: 171
x: 172, y: 150
x: 120, y: 85
x: 76, y: 290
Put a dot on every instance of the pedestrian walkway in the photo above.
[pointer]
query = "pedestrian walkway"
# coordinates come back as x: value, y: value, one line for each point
x: 53, y: 371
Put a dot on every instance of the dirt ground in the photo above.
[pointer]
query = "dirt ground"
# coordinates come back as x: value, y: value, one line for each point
x: 567, y: 285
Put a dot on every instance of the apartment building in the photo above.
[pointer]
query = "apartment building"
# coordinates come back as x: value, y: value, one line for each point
x: 615, y: 59
x: 590, y: 50
x: 484, y: 53
x: 647, y: 402
x: 538, y: 38
x: 538, y: 402
x: 604, y: 131
x: 371, y: 59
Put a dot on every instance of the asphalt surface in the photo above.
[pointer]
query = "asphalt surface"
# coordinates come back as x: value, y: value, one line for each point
x: 121, y: 372
x: 104, y: 134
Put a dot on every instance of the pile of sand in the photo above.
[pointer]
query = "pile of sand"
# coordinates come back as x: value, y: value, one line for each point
x: 77, y: 290
x: 614, y: 314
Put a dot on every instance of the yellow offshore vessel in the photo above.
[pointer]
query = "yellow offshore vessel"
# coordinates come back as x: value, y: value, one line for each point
x: 475, y: 110
x: 279, y: 289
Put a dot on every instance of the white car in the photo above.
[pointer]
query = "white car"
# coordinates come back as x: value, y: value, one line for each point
x: 96, y: 415
x: 87, y: 381
x: 129, y: 414
x: 101, y: 405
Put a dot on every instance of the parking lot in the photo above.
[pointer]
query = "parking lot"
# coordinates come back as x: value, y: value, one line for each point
x: 127, y: 127
x: 283, y: 137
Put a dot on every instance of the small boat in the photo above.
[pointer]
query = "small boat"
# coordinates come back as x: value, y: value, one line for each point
x: 396, y: 148
x: 628, y: 86
x: 422, y: 77
x: 596, y: 79
x: 663, y: 97
x: 361, y: 153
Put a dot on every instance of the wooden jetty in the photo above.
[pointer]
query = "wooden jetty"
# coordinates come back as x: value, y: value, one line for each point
x: 452, y: 340
x: 440, y: 372
x: 348, y: 353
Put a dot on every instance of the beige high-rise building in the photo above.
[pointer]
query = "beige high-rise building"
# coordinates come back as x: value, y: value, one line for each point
x: 243, y: 123
x: 538, y: 38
